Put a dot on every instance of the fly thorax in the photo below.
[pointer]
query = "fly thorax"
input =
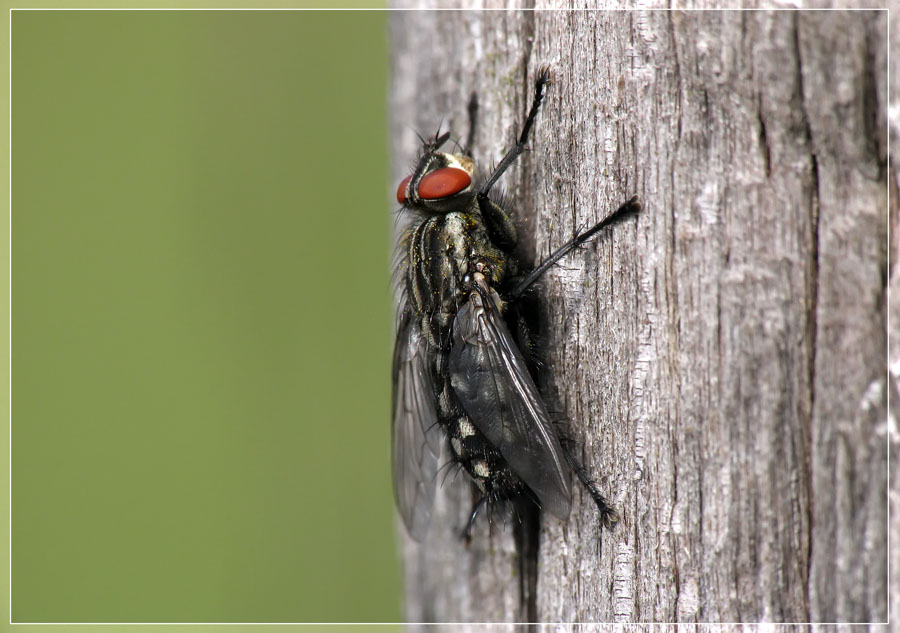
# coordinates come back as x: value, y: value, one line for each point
x: 456, y: 229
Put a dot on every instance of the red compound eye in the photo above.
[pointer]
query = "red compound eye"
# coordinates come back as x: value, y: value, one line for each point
x: 401, y: 190
x: 444, y: 182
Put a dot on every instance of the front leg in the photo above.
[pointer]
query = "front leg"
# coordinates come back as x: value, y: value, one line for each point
x: 501, y: 228
x: 539, y: 86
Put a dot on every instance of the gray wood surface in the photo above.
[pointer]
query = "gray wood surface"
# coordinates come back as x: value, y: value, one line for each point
x: 721, y: 359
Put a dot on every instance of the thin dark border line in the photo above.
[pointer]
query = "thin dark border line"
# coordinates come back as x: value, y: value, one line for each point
x: 888, y: 372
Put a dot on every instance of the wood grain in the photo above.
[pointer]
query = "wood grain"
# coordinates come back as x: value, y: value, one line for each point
x: 721, y: 359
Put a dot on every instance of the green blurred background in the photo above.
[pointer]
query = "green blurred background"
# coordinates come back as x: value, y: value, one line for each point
x: 201, y: 318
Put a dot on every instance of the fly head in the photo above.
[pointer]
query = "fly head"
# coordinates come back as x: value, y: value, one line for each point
x: 440, y: 183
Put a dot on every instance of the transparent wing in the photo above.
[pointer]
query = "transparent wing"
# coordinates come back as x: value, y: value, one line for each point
x: 416, y: 438
x: 489, y: 375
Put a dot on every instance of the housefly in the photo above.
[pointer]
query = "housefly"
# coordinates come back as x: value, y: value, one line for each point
x: 459, y: 373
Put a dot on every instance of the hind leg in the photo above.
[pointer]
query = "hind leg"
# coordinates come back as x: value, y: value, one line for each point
x: 467, y: 533
x: 608, y: 516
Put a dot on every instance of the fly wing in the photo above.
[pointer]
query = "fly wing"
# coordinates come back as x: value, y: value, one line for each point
x: 489, y: 375
x: 416, y: 438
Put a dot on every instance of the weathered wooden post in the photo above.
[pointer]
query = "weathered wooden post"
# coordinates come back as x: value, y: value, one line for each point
x: 722, y: 358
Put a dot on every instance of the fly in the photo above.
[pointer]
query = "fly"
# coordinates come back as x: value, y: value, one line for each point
x: 459, y: 375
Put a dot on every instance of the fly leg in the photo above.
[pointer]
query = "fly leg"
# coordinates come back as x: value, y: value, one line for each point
x: 500, y: 226
x: 467, y: 533
x: 608, y: 516
x: 473, y: 120
x: 539, y: 88
x: 631, y: 206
